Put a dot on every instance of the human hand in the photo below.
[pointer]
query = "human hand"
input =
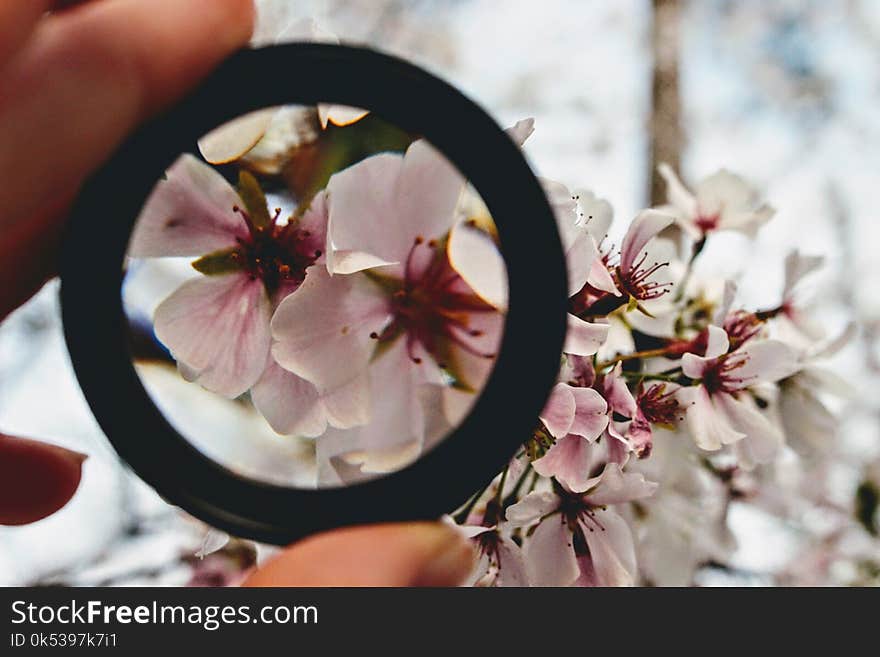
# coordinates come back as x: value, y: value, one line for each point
x: 73, y: 83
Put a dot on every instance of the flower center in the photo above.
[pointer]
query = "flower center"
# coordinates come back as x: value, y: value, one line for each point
x: 741, y: 326
x: 276, y: 254
x: 708, y: 222
x: 433, y: 306
x: 659, y: 406
x: 637, y: 281
x: 721, y: 376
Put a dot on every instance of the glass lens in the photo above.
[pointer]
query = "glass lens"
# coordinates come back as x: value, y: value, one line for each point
x: 315, y: 296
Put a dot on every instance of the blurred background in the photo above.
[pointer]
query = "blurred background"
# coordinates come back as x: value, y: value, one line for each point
x: 785, y: 93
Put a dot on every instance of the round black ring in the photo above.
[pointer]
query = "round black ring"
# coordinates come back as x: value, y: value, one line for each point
x: 96, y: 331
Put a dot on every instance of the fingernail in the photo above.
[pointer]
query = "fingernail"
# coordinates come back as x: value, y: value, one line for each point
x: 451, y: 561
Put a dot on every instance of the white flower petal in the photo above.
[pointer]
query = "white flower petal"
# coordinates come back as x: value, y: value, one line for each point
x: 511, y: 564
x: 763, y: 438
x: 550, y: 555
x: 521, y: 131
x: 767, y: 361
x: 709, y: 426
x: 219, y: 327
x: 531, y: 508
x: 617, y: 487
x: 611, y: 550
x: 290, y: 404
x: 584, y: 338
x: 643, y: 228
x: 323, y: 329
x: 476, y: 258
x: 678, y: 195
x: 188, y: 214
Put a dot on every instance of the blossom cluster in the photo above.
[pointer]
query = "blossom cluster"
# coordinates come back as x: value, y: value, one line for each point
x: 367, y: 317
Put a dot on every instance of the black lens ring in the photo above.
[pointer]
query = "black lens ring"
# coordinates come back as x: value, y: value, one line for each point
x: 95, y: 325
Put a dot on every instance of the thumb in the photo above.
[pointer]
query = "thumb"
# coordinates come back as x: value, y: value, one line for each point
x: 412, y: 554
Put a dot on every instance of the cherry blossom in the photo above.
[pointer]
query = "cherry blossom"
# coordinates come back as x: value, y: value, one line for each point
x: 217, y: 325
x: 580, y: 539
x: 388, y: 298
x: 723, y: 201
x: 721, y: 411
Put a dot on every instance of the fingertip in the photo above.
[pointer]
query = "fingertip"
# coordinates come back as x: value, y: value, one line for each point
x: 405, y: 554
x: 36, y: 479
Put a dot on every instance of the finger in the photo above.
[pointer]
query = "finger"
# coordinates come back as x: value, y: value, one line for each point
x: 17, y: 20
x: 36, y: 479
x: 415, y: 554
x: 88, y: 76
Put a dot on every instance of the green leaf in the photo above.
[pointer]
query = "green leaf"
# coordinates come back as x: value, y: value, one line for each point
x: 254, y: 199
x: 219, y: 263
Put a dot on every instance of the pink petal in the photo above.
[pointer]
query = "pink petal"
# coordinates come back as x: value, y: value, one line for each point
x: 617, y: 393
x: 314, y: 221
x: 590, y: 413
x: 396, y: 430
x: 584, y: 338
x: 531, y: 508
x: 219, y: 328
x: 643, y: 228
x: 476, y: 258
x: 410, y: 196
x: 611, y: 550
x: 558, y: 413
x: 550, y: 555
x: 188, y: 214
x: 570, y: 460
x: 360, y: 198
x: 617, y: 487
x: 709, y: 425
x: 511, y: 564
x: 323, y: 330
x: 291, y: 405
x: 600, y: 278
x: 428, y: 191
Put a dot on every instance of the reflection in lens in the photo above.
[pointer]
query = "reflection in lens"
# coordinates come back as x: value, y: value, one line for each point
x: 313, y: 304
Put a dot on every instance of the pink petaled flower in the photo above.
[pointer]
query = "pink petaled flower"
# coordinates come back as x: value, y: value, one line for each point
x: 655, y: 404
x: 389, y: 307
x: 720, y: 409
x: 634, y: 277
x: 723, y: 201
x: 579, y: 540
x: 500, y: 562
x: 575, y: 417
x: 217, y: 326
x: 635, y: 274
